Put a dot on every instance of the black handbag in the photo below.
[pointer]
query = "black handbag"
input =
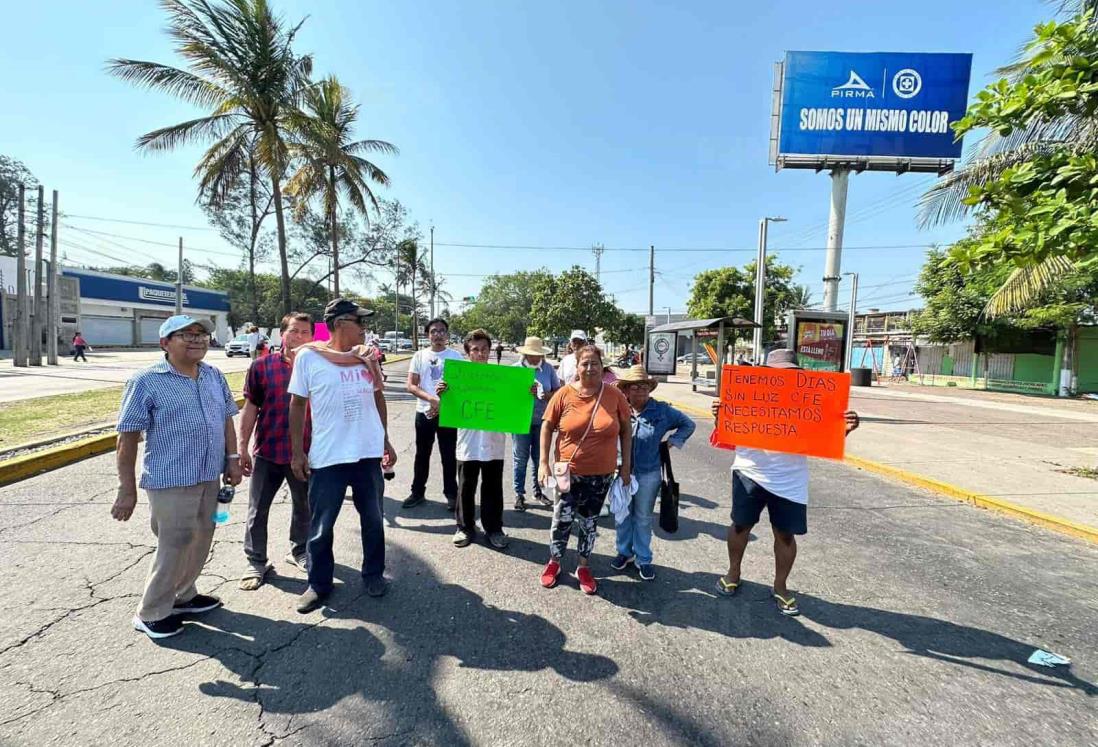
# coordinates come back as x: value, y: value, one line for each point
x: 669, y: 493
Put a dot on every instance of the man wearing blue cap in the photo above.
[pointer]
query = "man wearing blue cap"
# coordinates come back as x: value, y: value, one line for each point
x: 186, y: 411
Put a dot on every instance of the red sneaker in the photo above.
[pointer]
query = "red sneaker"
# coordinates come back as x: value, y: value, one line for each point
x: 549, y: 575
x: 586, y: 580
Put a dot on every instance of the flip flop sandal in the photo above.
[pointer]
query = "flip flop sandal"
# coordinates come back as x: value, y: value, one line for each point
x: 787, y: 605
x: 726, y: 589
x: 253, y: 578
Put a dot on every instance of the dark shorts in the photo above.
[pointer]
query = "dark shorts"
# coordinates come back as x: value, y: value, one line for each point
x: 749, y: 499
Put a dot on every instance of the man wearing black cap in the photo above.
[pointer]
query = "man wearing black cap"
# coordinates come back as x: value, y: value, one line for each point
x: 350, y: 445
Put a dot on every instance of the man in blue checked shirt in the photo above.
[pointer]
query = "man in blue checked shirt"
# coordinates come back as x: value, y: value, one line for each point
x: 186, y: 411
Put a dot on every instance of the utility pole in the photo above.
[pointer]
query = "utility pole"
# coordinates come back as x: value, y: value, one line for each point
x: 840, y: 180
x: 668, y: 314
x: 396, y: 298
x: 597, y: 250
x: 760, y: 288
x: 434, y: 282
x: 22, y: 326
x: 53, y: 307
x: 179, y: 281
x: 849, y: 352
x: 39, y: 308
x: 651, y: 278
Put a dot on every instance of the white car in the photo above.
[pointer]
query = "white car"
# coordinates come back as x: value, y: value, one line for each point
x: 689, y: 358
x: 239, y: 345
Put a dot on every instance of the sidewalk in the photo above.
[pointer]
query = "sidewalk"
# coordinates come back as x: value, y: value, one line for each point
x: 1015, y: 448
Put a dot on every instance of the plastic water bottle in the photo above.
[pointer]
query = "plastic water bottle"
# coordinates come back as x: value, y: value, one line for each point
x: 224, y: 498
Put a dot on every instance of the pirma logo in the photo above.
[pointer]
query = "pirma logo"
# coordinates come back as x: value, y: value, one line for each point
x: 854, y: 88
x: 907, y: 83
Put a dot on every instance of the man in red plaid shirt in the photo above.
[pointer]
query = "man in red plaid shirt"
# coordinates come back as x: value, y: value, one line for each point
x: 267, y: 412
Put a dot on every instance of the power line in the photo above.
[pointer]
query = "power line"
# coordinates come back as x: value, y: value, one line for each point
x: 753, y: 250
x: 151, y: 242
x: 138, y: 222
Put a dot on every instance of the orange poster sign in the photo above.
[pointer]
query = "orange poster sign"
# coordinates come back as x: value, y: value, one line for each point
x: 783, y: 409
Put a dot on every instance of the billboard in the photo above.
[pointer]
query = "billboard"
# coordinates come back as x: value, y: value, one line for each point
x: 869, y: 110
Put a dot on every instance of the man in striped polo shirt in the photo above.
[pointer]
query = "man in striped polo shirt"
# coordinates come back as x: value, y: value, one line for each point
x: 186, y: 411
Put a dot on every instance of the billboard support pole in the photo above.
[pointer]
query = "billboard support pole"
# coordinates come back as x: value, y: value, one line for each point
x: 840, y: 180
x: 760, y: 293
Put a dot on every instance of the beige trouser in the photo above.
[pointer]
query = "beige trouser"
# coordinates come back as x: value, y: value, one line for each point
x: 182, y: 520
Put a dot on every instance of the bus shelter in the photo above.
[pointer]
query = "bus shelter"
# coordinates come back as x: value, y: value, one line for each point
x: 706, y: 329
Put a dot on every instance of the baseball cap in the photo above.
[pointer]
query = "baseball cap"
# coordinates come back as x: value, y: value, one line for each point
x: 342, y: 307
x: 181, y: 321
x: 578, y: 334
x: 781, y: 358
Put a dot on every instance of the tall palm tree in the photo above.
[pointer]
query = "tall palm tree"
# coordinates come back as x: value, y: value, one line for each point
x: 239, y: 65
x: 331, y: 162
x: 943, y: 203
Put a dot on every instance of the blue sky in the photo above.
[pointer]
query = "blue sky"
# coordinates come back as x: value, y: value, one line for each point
x: 520, y: 124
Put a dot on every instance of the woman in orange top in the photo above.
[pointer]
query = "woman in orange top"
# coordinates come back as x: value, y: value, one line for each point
x: 592, y: 419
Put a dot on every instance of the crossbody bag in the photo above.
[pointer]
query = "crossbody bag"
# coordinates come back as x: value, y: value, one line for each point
x: 562, y: 471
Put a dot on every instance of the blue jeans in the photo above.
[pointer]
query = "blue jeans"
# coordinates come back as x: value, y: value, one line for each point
x: 327, y: 488
x: 525, y: 447
x: 635, y: 531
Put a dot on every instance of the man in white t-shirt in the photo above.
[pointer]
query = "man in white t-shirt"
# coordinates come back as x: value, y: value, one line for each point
x: 350, y: 446
x: 424, y: 373
x: 567, y: 369
x: 777, y: 482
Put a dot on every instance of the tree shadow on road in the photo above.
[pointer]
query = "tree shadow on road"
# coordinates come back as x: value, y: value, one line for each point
x: 293, y: 668
x: 942, y: 640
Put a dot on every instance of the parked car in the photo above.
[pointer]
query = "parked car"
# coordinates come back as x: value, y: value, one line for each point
x: 386, y: 346
x: 703, y: 358
x: 240, y: 346
x: 405, y: 344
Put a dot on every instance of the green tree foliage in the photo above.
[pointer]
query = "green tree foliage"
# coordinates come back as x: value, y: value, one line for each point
x: 955, y: 301
x: 626, y: 329
x: 152, y: 271
x: 308, y: 296
x: 12, y: 174
x: 1045, y: 203
x: 730, y: 291
x: 240, y: 66
x: 331, y: 162
x: 572, y: 300
x: 504, y: 305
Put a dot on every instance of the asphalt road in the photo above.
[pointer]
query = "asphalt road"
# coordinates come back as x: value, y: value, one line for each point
x: 918, y: 617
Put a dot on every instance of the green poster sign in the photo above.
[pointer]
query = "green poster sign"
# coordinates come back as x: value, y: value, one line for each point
x: 486, y: 397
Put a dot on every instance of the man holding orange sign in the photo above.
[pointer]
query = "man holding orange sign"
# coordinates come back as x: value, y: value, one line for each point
x: 776, y: 417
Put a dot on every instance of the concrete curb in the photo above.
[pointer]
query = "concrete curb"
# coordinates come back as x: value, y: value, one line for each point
x: 29, y: 465
x: 1048, y: 521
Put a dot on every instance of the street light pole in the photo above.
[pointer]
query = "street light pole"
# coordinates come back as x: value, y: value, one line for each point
x: 850, y: 320
x: 760, y: 287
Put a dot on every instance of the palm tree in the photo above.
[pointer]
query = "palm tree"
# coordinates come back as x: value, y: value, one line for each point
x: 943, y: 203
x: 240, y: 66
x: 331, y: 162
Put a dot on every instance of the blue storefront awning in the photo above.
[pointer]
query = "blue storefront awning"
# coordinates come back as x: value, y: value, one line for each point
x: 131, y: 290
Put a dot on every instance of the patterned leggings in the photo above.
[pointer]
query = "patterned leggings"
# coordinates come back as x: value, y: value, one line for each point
x: 583, y: 504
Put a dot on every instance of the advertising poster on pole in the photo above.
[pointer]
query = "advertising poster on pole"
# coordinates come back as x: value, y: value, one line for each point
x: 659, y: 353
x: 820, y: 345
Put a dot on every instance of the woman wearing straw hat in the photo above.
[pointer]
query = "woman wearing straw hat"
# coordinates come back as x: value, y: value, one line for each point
x: 652, y: 420
x: 525, y: 445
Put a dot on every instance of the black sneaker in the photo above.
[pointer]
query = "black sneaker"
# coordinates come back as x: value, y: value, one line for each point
x: 197, y: 604
x: 310, y: 600
x: 498, y: 540
x: 166, y: 628
x: 543, y: 499
x: 520, y: 503
x: 413, y: 500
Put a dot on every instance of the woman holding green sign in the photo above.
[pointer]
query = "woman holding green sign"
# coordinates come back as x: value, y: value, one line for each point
x: 591, y: 420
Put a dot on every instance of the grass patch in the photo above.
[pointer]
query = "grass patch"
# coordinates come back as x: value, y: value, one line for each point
x: 1088, y: 472
x: 42, y: 417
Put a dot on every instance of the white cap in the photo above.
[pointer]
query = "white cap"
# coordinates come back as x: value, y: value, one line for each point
x: 578, y: 334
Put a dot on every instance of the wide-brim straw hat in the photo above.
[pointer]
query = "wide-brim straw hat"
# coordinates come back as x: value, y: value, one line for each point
x: 635, y: 375
x: 533, y: 346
